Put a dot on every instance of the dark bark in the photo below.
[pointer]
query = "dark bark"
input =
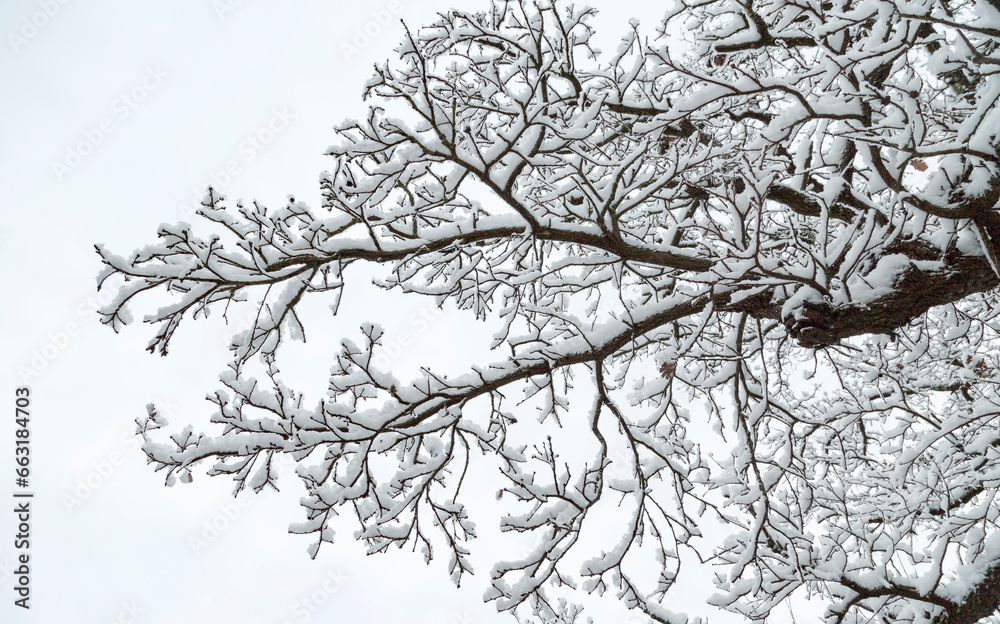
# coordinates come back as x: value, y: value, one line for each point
x: 982, y: 601
x: 822, y: 324
x: 765, y: 38
x: 623, y: 250
x: 805, y: 205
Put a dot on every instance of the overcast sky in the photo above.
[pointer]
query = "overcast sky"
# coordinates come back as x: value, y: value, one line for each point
x: 116, y: 116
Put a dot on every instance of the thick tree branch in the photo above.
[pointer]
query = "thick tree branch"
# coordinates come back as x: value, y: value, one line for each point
x: 805, y: 205
x: 982, y: 600
x: 916, y: 291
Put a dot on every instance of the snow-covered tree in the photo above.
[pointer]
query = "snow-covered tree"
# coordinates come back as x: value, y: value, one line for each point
x: 743, y: 270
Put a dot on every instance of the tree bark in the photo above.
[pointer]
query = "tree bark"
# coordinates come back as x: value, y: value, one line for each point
x: 983, y: 600
x: 824, y: 324
x: 915, y: 293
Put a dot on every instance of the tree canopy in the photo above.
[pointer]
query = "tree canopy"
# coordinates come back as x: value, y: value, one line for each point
x: 744, y: 270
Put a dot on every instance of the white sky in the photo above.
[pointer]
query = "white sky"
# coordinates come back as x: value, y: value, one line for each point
x: 207, y: 83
